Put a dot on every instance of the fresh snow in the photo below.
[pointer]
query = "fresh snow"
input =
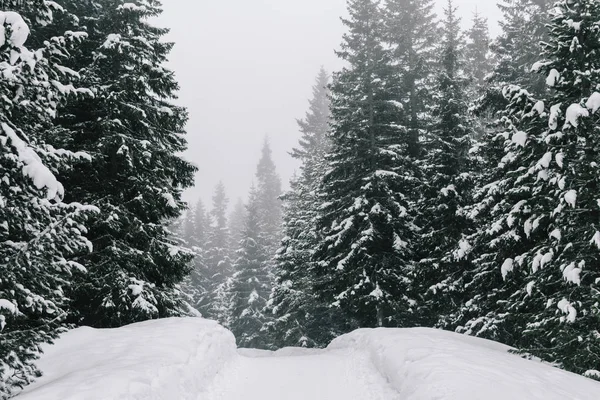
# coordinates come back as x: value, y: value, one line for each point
x: 196, y: 359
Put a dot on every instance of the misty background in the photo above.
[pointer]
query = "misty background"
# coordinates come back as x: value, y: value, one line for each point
x: 246, y: 70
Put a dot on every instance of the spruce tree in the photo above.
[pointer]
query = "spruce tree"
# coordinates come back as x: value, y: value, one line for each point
x: 250, y: 285
x: 299, y: 320
x: 477, y: 55
x: 40, y: 234
x: 364, y: 261
x: 448, y: 182
x: 134, y: 133
x: 536, y: 285
x: 411, y: 33
x: 237, y: 220
x: 218, y: 260
x: 268, y: 191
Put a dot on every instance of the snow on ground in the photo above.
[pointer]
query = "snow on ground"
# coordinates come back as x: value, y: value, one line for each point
x: 169, y: 359
x: 429, y: 364
x: 196, y: 359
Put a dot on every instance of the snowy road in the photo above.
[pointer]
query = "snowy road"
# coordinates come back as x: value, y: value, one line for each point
x: 325, y: 375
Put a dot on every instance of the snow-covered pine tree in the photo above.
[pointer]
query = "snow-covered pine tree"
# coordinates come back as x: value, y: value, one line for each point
x: 218, y: 260
x: 237, y: 220
x: 250, y: 285
x: 299, y: 319
x: 196, y: 228
x: 517, y: 48
x: 448, y: 184
x: 478, y: 58
x: 411, y: 32
x: 268, y: 191
x: 536, y: 282
x: 364, y: 261
x: 136, y: 177
x: 39, y: 233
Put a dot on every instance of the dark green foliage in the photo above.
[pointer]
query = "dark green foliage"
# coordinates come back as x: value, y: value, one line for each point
x: 364, y: 260
x: 136, y: 177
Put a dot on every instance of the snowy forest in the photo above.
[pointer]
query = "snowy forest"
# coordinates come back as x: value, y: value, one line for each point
x: 449, y: 179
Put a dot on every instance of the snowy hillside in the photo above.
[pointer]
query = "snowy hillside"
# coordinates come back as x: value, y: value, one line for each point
x: 196, y: 359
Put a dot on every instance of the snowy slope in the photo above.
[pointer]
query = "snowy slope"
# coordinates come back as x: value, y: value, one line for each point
x: 181, y: 359
x: 170, y: 359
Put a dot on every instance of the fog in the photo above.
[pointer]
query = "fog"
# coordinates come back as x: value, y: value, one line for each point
x: 246, y: 69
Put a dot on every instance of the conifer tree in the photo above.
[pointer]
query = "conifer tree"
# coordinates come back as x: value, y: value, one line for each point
x: 448, y: 183
x: 251, y: 284
x: 478, y: 60
x: 298, y: 318
x: 536, y: 285
x: 268, y: 191
x: 364, y: 261
x: 517, y: 48
x: 411, y: 33
x: 40, y: 234
x: 218, y: 259
x: 136, y: 177
x: 237, y: 219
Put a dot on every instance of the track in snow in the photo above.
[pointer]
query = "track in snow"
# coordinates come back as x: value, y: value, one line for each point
x: 323, y: 375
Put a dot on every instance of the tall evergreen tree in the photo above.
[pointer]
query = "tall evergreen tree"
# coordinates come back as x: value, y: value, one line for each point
x: 250, y: 285
x: 536, y: 285
x: 269, y: 205
x: 40, y: 234
x: 411, y: 33
x: 196, y: 228
x: 478, y: 59
x: 517, y: 48
x: 299, y: 319
x: 136, y: 177
x: 364, y: 260
x: 218, y: 259
x: 237, y: 220
x: 448, y: 183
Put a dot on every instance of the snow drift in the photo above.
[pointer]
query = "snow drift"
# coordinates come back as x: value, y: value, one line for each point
x: 429, y: 364
x: 182, y: 359
x: 169, y: 359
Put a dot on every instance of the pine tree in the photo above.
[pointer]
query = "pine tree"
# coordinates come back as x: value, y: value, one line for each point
x: 250, y: 285
x: 269, y: 205
x: 536, y: 285
x: 364, y: 260
x: 136, y: 177
x: 40, y: 234
x: 448, y: 182
x: 196, y: 228
x: 478, y: 60
x: 411, y: 32
x: 517, y: 48
x: 217, y: 251
x: 299, y: 319
x: 237, y: 220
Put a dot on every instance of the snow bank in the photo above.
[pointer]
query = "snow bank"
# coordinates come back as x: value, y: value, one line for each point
x: 164, y: 359
x: 429, y: 364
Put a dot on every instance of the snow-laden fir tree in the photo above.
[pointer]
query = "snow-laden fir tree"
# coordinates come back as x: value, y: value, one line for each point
x: 364, y: 261
x: 411, y: 34
x: 218, y: 260
x: 299, y: 319
x: 196, y: 226
x: 268, y: 191
x: 39, y: 233
x: 536, y: 282
x: 448, y: 183
x: 517, y: 48
x: 478, y: 57
x: 250, y: 286
x: 135, y: 135
x: 237, y: 220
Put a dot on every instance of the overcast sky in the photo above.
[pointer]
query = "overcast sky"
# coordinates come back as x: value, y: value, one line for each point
x: 246, y: 68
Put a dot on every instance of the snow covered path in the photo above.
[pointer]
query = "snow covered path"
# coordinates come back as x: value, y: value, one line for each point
x: 325, y: 375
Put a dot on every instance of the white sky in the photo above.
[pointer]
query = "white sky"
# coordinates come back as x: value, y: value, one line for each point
x: 246, y: 68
